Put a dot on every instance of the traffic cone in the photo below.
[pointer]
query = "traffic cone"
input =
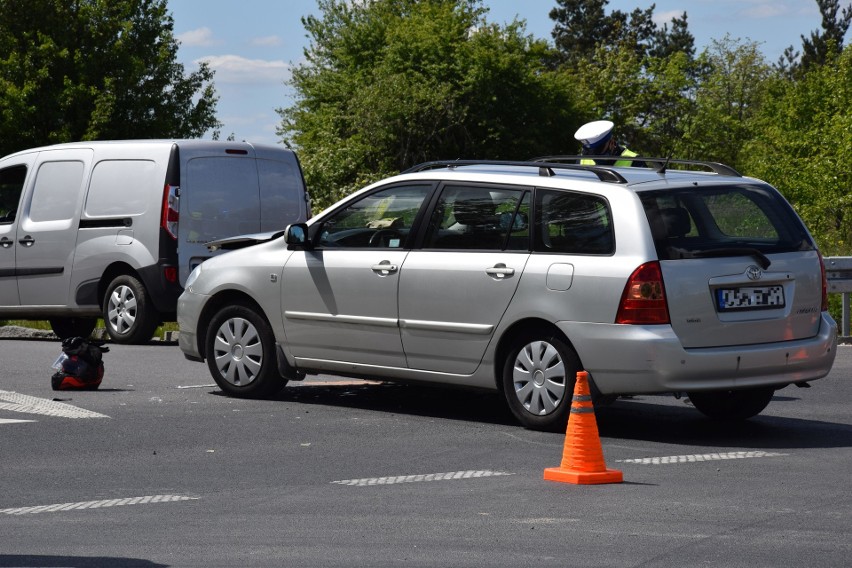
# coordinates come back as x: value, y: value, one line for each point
x: 582, y: 456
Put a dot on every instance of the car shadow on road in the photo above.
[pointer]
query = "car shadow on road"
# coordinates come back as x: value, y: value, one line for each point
x: 416, y: 400
x: 643, y: 418
x: 649, y: 418
x: 38, y: 560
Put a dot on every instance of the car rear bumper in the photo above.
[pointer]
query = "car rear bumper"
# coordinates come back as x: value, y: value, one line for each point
x: 627, y: 359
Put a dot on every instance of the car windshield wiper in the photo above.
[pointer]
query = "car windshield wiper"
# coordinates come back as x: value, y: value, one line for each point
x: 761, y: 258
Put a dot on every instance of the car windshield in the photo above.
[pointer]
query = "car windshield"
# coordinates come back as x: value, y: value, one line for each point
x: 723, y: 221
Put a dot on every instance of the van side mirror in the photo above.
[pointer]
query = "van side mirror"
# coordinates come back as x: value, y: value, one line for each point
x: 297, y: 236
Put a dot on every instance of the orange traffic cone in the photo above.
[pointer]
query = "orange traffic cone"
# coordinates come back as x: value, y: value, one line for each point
x: 582, y: 457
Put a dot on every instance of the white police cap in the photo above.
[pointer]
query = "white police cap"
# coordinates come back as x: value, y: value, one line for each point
x: 594, y: 133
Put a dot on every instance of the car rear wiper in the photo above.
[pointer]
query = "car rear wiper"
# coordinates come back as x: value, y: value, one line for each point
x: 761, y: 258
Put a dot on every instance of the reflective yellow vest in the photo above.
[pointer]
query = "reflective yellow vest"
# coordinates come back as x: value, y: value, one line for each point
x: 618, y: 163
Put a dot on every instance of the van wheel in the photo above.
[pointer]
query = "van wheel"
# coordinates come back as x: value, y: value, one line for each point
x: 73, y: 327
x: 732, y: 404
x: 538, y: 381
x: 240, y: 350
x: 128, y: 313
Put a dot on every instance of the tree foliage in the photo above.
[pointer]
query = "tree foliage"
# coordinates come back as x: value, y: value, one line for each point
x: 802, y: 143
x: 728, y: 97
x: 583, y: 26
x: 820, y: 44
x: 390, y: 83
x: 96, y: 69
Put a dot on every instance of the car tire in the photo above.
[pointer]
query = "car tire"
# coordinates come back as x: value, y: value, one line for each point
x: 129, y: 315
x: 538, y: 381
x: 732, y: 405
x: 73, y: 327
x: 240, y: 351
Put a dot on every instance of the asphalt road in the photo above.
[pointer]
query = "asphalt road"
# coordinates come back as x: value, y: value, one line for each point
x: 158, y: 468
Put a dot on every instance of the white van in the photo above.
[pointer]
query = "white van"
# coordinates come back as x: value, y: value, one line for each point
x: 112, y: 229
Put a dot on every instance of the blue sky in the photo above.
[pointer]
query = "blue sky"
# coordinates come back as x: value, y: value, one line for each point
x: 253, y: 43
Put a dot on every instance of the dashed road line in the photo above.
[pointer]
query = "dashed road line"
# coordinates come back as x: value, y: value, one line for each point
x: 447, y: 476
x: 33, y: 405
x: 694, y: 458
x: 13, y: 421
x: 146, y: 500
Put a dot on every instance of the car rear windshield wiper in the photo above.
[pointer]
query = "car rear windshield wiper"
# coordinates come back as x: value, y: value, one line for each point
x: 761, y: 258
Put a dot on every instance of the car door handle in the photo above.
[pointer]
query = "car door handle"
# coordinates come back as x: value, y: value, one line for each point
x: 499, y: 271
x: 5, y: 243
x: 384, y: 268
x: 27, y: 241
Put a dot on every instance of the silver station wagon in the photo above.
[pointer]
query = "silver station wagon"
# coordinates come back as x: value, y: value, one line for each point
x: 684, y: 277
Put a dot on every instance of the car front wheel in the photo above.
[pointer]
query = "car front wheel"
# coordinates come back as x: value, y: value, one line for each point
x: 240, y: 350
x: 732, y: 404
x: 538, y: 381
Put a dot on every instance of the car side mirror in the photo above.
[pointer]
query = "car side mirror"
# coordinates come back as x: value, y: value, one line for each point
x: 297, y: 236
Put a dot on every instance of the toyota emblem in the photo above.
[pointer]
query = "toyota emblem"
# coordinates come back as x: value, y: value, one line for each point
x: 754, y: 273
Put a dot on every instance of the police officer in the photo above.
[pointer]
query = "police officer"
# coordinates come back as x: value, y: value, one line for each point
x: 597, y: 140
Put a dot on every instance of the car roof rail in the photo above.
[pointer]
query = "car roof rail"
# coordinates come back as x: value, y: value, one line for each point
x: 545, y: 169
x: 659, y: 164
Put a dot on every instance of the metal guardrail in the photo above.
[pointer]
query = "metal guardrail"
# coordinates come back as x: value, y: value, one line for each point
x: 838, y: 271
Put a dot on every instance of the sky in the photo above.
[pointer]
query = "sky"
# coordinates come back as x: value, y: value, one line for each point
x: 252, y: 44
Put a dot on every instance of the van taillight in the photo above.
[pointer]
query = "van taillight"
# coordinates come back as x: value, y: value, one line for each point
x: 644, y: 298
x: 171, y: 215
x: 824, y: 283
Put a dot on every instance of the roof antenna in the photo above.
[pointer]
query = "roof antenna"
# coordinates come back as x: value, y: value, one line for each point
x: 665, y: 166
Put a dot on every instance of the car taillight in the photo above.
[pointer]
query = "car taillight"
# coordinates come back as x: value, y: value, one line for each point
x: 171, y: 215
x: 824, y: 283
x: 644, y: 298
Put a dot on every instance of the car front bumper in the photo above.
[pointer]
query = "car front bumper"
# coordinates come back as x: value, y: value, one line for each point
x: 189, y: 308
x: 629, y: 359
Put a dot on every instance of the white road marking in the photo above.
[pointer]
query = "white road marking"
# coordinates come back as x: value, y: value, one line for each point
x: 421, y: 477
x: 12, y: 421
x: 33, y: 405
x: 148, y: 499
x: 702, y: 458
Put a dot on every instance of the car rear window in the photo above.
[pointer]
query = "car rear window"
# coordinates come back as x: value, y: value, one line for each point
x: 722, y: 220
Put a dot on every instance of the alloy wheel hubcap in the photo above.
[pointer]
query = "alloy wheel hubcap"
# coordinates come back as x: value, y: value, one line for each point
x: 121, y: 310
x: 238, y: 351
x: 539, y: 378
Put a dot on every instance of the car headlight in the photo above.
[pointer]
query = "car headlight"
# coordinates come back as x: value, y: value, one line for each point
x: 193, y: 276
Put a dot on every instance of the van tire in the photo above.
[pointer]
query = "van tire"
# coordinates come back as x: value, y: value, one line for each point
x: 129, y: 315
x: 73, y: 327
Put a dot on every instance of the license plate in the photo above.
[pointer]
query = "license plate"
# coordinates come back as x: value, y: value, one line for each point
x: 749, y: 298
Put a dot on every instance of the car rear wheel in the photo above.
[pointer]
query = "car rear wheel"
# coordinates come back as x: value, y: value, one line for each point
x: 128, y: 313
x: 240, y: 350
x: 73, y: 327
x: 732, y: 404
x: 538, y: 381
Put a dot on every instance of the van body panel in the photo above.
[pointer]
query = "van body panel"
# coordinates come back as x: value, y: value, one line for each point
x: 74, y: 216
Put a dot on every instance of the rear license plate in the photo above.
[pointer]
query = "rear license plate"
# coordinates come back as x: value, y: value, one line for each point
x: 749, y: 298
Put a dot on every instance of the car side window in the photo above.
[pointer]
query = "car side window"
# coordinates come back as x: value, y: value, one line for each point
x: 574, y: 223
x: 11, y: 187
x: 379, y: 220
x: 479, y: 218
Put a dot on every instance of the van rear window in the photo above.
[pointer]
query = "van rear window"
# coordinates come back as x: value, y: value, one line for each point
x: 694, y: 223
x: 123, y: 187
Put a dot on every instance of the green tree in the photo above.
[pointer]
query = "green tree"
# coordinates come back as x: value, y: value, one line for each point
x: 727, y: 99
x: 802, y: 144
x: 817, y: 48
x: 582, y: 26
x: 390, y: 83
x: 96, y: 69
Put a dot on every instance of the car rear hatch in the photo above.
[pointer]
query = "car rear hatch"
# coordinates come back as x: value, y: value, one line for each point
x: 738, y: 265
